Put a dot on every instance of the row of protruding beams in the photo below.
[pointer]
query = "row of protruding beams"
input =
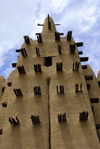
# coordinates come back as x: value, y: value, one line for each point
x: 37, y: 90
x: 71, y: 50
x: 24, y: 53
x: 59, y: 67
x: 83, y: 116
x: 35, y: 120
x: 37, y: 67
x: 57, y: 38
x: 61, y: 118
x: 60, y: 90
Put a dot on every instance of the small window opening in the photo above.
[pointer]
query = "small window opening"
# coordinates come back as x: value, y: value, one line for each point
x: 3, y: 89
x: 1, y: 130
x: 4, y: 104
x: 9, y: 83
x: 48, y: 61
x: 99, y: 84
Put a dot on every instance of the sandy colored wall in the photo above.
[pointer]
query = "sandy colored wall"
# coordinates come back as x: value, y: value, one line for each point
x: 71, y: 134
x: 2, y: 84
x: 94, y: 92
x: 98, y: 76
x: 2, y: 111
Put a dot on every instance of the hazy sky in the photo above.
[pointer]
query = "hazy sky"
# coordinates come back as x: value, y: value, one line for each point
x: 20, y: 17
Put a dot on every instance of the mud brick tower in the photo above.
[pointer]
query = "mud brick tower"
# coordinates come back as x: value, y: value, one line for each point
x: 50, y: 100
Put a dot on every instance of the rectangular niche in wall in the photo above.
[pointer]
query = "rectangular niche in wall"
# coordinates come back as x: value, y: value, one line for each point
x: 48, y: 61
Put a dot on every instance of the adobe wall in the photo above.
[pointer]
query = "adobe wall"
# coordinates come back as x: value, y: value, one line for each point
x: 94, y: 92
x: 2, y: 84
x: 70, y: 134
x: 98, y: 77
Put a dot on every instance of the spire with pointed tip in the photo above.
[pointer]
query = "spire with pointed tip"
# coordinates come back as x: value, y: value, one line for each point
x: 49, y: 25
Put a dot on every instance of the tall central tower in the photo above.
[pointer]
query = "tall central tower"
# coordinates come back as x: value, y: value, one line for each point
x: 50, y: 100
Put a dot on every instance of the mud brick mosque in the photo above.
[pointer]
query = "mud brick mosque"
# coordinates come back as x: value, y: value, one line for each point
x: 50, y: 100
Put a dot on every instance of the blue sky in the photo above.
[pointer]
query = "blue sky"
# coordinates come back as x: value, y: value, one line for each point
x: 20, y: 17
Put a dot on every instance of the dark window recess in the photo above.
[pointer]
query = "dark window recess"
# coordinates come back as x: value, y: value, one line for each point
x: 3, y: 89
x: 77, y: 88
x: 13, y: 121
x: 1, y: 130
x: 14, y: 64
x: 62, y: 117
x: 26, y: 38
x: 59, y: 49
x: 99, y: 84
x: 59, y: 66
x: 61, y: 88
x: 84, y: 66
x: 94, y: 100
x: 17, y: 92
x: 35, y: 119
x: 84, y: 116
x: 76, y: 66
x: 69, y: 35
x: 80, y: 52
x: 88, y: 86
x: 37, y: 90
x: 48, y: 61
x: 9, y: 83
x: 4, y: 104
x: 72, y: 48
x: 88, y: 77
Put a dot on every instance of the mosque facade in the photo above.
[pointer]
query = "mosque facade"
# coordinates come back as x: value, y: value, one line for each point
x: 50, y: 100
